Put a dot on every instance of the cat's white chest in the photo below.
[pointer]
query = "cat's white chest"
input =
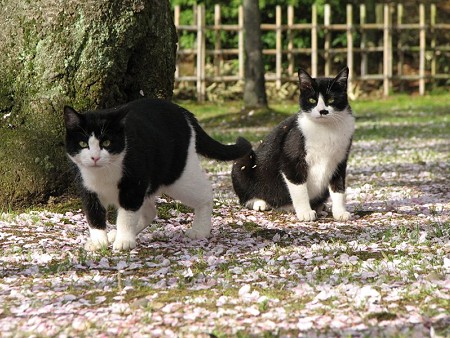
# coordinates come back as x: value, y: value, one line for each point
x: 326, y: 146
x: 104, y: 182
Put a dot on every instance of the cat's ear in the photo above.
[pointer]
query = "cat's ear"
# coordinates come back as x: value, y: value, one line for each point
x: 72, y: 118
x: 305, y: 80
x: 342, y: 78
x: 120, y: 117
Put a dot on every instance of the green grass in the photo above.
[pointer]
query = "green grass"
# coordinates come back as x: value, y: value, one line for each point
x: 393, y: 117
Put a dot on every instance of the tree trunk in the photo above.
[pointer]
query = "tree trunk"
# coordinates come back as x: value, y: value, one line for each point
x: 89, y: 54
x: 255, y: 86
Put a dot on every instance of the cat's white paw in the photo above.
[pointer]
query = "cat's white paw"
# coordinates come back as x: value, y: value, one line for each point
x: 94, y: 246
x: 257, y: 205
x: 124, y: 242
x: 341, y: 215
x: 112, y: 236
x: 307, y: 216
x: 98, y: 240
x: 260, y: 205
x: 198, y: 234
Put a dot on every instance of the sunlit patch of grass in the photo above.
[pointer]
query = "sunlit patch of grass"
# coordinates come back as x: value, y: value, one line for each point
x: 382, y: 316
x: 393, y: 117
x: 439, y: 229
x: 167, y: 210
x: 248, y: 226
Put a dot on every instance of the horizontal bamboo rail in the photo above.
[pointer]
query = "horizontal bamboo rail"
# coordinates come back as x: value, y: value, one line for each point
x: 392, y: 54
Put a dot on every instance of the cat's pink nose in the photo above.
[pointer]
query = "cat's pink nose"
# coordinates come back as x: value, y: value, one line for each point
x: 95, y: 159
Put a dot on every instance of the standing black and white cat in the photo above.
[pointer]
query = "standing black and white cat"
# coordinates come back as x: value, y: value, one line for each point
x: 129, y: 154
x: 303, y: 160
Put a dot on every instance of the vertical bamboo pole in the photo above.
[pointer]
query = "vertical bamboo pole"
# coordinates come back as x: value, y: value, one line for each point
x: 433, y: 41
x: 194, y: 23
x: 218, y: 43
x: 422, y: 42
x: 201, y: 58
x: 400, y: 53
x: 314, y: 52
x: 391, y: 49
x: 327, y: 21
x: 241, y: 51
x: 363, y: 46
x: 350, y: 45
x: 176, y: 16
x: 290, y: 56
x: 176, y: 20
x: 387, y: 59
x: 279, y: 52
x: 379, y: 20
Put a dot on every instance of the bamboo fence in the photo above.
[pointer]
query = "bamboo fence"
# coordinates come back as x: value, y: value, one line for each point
x: 392, y: 55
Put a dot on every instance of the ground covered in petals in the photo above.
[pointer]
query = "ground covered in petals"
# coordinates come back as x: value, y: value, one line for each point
x: 386, y: 272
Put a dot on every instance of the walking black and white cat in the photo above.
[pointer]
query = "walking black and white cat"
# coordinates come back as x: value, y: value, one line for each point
x: 303, y: 160
x: 128, y: 155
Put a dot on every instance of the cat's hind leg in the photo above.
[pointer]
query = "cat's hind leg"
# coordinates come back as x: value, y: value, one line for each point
x: 148, y: 213
x: 194, y: 189
x: 201, y: 227
x: 195, y: 192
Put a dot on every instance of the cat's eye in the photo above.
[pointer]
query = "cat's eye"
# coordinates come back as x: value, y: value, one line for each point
x: 330, y: 100
x: 106, y: 143
x: 83, y: 144
x: 311, y: 100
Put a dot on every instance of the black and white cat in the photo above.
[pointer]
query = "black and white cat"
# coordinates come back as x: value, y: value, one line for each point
x: 303, y: 160
x: 129, y: 154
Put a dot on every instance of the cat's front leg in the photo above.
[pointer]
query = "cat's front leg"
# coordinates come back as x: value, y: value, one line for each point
x: 338, y: 209
x: 98, y: 239
x: 300, y: 201
x: 146, y: 217
x: 131, y: 202
x: 125, y: 237
x: 337, y: 193
x: 96, y: 217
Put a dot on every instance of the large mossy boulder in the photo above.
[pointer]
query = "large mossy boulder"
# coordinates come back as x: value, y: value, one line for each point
x: 88, y: 54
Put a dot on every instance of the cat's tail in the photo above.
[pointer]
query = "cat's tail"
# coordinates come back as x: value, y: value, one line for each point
x: 243, y: 177
x: 209, y: 147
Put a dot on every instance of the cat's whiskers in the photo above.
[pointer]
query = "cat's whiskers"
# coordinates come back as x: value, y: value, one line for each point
x: 337, y: 118
x: 329, y: 85
x: 85, y: 133
x: 341, y: 118
x: 102, y: 129
x: 112, y: 165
